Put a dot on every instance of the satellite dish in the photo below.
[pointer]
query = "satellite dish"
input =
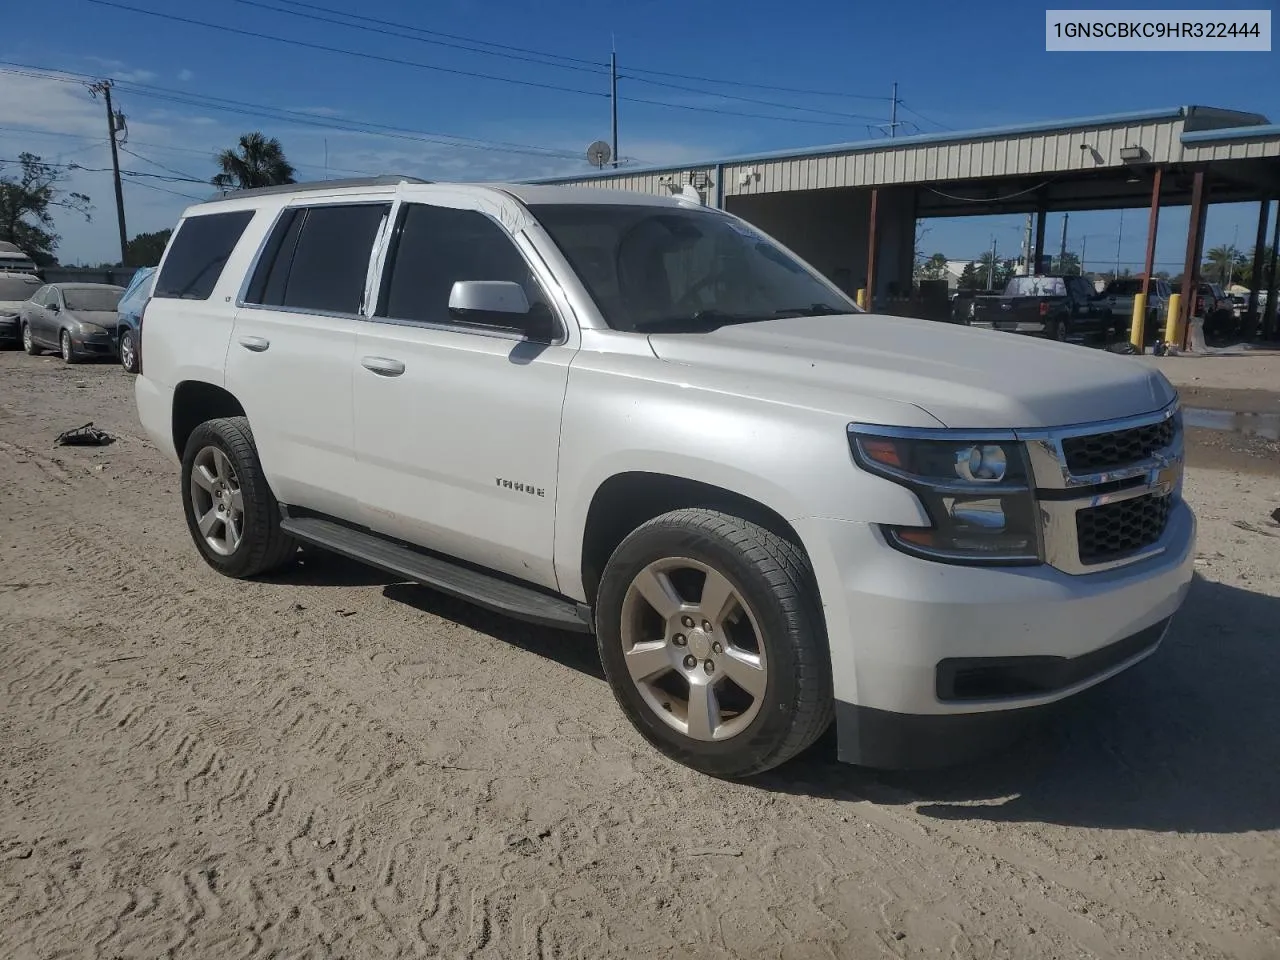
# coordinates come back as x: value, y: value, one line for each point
x: 598, y: 154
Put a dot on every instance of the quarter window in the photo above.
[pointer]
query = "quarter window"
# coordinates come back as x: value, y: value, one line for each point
x: 197, y: 254
x: 318, y: 258
x: 438, y: 246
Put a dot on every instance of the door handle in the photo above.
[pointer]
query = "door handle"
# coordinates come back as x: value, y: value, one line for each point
x: 256, y: 344
x: 382, y: 366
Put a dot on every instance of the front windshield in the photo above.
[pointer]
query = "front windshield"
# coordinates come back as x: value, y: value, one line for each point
x: 92, y: 299
x: 654, y: 269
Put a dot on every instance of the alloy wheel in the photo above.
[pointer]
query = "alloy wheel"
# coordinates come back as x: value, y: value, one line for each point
x: 27, y: 343
x: 217, y: 500
x: 126, y: 350
x: 65, y: 341
x: 693, y: 649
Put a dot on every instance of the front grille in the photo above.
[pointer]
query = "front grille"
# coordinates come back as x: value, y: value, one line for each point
x: 1115, y: 530
x: 1108, y: 451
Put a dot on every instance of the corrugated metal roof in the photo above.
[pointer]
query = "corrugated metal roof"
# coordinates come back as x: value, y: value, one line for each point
x: 881, y: 166
x: 1251, y: 132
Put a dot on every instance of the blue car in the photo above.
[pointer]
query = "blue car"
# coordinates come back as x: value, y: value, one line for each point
x: 129, y: 312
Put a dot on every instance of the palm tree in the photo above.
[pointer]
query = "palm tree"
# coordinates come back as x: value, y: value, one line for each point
x: 260, y: 163
x: 1223, y: 262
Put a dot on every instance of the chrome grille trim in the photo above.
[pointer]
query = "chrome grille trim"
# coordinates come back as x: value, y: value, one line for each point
x: 1161, y: 473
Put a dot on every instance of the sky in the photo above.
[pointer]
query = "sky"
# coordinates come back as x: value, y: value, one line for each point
x: 544, y: 94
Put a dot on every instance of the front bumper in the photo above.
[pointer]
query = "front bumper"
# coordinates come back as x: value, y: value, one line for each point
x: 902, y: 630
x: 9, y: 329
x: 94, y: 345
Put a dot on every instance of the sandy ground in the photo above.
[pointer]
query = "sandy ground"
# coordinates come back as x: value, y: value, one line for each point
x: 329, y: 764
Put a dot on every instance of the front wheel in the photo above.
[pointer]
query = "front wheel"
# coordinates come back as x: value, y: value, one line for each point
x: 711, y: 636
x: 231, y: 512
x: 28, y: 342
x: 68, y: 348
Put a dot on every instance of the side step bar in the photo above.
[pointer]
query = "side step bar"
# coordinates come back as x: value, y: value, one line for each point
x: 483, y: 589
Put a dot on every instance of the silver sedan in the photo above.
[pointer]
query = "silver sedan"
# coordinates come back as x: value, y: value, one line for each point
x: 75, y: 319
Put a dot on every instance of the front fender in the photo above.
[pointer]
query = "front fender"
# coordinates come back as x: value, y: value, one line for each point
x: 794, y: 460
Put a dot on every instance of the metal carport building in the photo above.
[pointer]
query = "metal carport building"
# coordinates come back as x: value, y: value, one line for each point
x: 850, y: 209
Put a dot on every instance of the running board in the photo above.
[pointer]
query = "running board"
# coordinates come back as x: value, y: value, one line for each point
x: 483, y: 589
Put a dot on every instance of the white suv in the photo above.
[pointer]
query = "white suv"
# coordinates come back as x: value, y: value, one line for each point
x: 610, y: 412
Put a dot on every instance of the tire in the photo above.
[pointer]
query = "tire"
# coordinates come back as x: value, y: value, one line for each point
x: 128, y: 352
x: 1058, y: 330
x: 68, y: 348
x: 28, y: 344
x: 224, y: 449
x: 772, y: 618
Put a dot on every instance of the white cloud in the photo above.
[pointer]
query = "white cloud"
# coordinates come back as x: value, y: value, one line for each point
x: 185, y: 75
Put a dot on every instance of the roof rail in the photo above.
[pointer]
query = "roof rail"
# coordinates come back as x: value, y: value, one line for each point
x: 384, y: 180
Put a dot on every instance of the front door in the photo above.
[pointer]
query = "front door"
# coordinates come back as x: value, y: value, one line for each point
x: 457, y: 425
x: 291, y: 353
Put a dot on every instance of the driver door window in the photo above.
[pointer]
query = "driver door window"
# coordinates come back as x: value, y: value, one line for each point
x: 435, y: 247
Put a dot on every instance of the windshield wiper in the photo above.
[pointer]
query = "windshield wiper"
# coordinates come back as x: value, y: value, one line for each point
x: 812, y: 310
x: 700, y: 322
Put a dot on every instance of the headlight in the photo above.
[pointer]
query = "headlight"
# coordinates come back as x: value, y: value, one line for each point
x: 91, y: 328
x: 977, y: 491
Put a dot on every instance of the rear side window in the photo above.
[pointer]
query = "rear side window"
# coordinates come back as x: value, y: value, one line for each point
x: 317, y: 258
x: 437, y: 246
x: 198, y: 253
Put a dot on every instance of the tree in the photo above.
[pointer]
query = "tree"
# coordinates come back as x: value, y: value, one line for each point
x: 999, y: 271
x: 145, y: 249
x: 259, y: 163
x: 935, y: 268
x: 1068, y: 264
x: 1246, y: 272
x: 26, y: 204
x: 969, y: 277
x: 1223, y: 262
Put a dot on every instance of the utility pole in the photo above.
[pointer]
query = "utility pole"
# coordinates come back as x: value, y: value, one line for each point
x: 1084, y: 243
x: 1027, y: 245
x: 1119, y: 237
x: 1062, y: 249
x: 893, y: 114
x: 613, y: 98
x: 991, y: 268
x: 115, y: 123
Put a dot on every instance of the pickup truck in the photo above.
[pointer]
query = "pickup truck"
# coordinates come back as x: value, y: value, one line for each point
x: 1058, y: 307
x: 1119, y: 296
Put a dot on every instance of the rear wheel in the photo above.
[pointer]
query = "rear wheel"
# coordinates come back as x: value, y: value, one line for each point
x: 128, y: 352
x: 231, y: 512
x: 712, y: 639
x: 1058, y: 330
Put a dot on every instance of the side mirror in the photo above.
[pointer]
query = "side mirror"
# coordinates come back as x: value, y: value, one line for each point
x: 54, y: 307
x: 500, y: 303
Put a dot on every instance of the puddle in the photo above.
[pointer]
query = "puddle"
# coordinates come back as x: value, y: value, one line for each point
x: 1265, y: 425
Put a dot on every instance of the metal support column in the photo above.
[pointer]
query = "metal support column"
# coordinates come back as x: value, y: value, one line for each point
x: 1138, y: 323
x: 872, y: 239
x: 1195, y: 247
x: 1251, y: 325
x: 1269, y: 323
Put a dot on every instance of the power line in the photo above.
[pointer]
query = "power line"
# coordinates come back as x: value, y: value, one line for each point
x: 509, y: 53
x: 593, y: 69
x: 156, y: 163
x: 923, y: 117
x: 176, y: 193
x: 399, y: 61
x: 188, y: 98
x: 591, y: 65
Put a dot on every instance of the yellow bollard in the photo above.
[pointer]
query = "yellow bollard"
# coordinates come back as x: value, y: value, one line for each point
x: 1137, y: 326
x: 1172, y: 334
x: 862, y: 297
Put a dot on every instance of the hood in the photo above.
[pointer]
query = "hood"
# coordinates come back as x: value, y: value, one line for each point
x: 11, y: 306
x: 962, y: 376
x: 101, y: 318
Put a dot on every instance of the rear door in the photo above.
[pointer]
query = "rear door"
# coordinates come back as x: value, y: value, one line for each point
x: 292, y: 351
